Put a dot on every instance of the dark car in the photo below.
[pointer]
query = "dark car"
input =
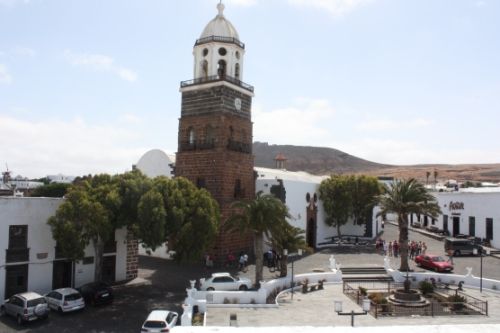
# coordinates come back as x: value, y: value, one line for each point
x: 433, y: 262
x: 460, y: 246
x: 96, y: 293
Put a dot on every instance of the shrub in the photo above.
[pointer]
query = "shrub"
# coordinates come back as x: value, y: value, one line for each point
x: 363, y: 291
x: 305, y: 286
x: 198, y: 319
x: 377, y: 298
x: 457, y: 302
x: 226, y: 301
x: 426, y: 287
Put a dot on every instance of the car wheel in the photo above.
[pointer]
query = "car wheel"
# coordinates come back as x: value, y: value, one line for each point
x: 2, y: 311
x: 19, y: 320
x: 59, y: 309
x: 210, y: 289
x: 456, y: 253
x: 243, y: 287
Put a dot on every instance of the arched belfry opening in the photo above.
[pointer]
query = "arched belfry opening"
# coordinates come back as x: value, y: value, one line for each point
x: 204, y: 69
x: 237, y: 71
x: 221, y: 68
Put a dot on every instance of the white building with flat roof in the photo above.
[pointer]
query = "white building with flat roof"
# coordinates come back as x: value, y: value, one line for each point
x: 30, y: 261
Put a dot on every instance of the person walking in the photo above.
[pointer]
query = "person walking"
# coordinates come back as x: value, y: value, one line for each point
x: 450, y: 256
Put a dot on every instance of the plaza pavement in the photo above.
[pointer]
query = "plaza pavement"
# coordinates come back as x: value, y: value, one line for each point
x: 316, y: 308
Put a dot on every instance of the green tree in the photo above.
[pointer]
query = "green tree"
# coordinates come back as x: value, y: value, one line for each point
x: 52, y: 190
x: 365, y: 190
x: 151, y: 219
x: 406, y: 197
x: 264, y: 215
x: 192, y: 217
x: 81, y: 220
x: 335, y: 192
x: 290, y: 238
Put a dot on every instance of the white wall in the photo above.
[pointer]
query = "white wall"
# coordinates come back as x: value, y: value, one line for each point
x: 35, y: 212
x: 479, y: 205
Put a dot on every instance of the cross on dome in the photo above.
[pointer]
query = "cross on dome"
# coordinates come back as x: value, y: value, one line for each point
x: 220, y: 8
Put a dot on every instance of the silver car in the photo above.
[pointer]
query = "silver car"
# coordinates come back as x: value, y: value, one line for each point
x: 26, y: 306
x: 65, y: 300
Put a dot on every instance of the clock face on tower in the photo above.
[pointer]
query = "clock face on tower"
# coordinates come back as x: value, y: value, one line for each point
x: 237, y: 104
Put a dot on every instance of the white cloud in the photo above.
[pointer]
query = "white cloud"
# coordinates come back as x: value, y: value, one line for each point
x: 13, y: 2
x: 381, y: 124
x: 5, y: 77
x: 334, y: 7
x: 302, y: 123
x: 38, y: 148
x: 129, y: 118
x: 24, y: 51
x: 100, y: 62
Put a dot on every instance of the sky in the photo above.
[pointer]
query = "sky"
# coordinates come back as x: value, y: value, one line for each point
x: 89, y: 86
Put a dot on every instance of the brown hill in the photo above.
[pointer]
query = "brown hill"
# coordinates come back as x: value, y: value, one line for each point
x: 324, y: 161
x: 315, y: 160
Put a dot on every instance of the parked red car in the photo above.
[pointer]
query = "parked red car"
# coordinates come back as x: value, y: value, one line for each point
x: 433, y: 262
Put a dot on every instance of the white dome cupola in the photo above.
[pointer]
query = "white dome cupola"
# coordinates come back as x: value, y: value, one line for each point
x: 218, y: 52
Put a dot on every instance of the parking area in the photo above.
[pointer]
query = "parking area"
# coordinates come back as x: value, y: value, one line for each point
x: 166, y: 283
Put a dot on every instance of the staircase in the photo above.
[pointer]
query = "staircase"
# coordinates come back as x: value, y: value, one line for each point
x: 365, y: 273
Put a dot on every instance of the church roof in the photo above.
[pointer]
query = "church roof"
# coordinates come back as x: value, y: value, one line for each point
x: 219, y: 26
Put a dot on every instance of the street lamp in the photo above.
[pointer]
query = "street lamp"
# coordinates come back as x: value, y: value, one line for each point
x: 366, y: 309
x: 299, y: 253
x: 481, y: 251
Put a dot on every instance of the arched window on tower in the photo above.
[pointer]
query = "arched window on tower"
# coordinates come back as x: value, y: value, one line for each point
x: 204, y: 69
x: 237, y: 71
x: 210, y: 136
x: 221, y: 69
x: 231, y: 132
x: 191, y: 136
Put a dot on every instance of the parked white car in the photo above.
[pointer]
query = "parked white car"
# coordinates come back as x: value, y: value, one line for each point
x: 65, y: 300
x: 225, y: 281
x: 160, y: 321
x: 25, y: 307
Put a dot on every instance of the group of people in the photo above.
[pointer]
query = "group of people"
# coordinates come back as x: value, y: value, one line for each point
x: 392, y: 248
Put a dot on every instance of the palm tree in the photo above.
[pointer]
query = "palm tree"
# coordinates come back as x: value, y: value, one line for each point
x: 290, y: 238
x: 264, y: 215
x: 406, y: 197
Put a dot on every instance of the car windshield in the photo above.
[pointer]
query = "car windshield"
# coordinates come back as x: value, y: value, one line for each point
x: 35, y: 302
x: 438, y: 259
x: 72, y: 297
x: 155, y: 324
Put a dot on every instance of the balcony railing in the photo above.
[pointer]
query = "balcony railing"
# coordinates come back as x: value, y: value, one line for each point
x: 219, y: 39
x: 197, y: 145
x: 17, y: 255
x: 215, y: 78
x: 239, y: 146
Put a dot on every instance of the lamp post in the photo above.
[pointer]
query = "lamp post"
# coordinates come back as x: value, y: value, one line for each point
x: 481, y: 251
x: 299, y: 253
x: 366, y: 309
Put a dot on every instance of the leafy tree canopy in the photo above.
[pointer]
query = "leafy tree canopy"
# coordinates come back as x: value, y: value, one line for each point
x: 52, y: 190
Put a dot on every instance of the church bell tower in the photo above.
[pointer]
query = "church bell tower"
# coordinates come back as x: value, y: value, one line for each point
x: 215, y: 128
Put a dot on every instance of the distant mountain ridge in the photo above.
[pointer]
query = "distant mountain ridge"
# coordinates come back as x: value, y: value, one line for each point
x: 325, y: 161
x: 315, y: 160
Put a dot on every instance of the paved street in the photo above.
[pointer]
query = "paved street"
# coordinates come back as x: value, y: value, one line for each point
x: 167, y: 281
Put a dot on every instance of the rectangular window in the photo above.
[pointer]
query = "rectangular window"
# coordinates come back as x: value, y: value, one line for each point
x: 489, y: 228
x: 18, y: 236
x: 472, y: 226
x: 445, y: 222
